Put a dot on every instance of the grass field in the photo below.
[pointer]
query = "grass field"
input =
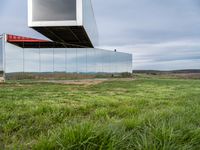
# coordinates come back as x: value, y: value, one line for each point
x: 141, y: 114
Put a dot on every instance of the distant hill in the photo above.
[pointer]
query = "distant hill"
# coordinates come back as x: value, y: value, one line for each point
x: 172, y: 71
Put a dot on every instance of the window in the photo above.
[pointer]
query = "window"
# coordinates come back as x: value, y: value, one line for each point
x: 54, y: 10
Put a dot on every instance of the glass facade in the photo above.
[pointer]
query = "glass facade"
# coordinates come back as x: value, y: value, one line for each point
x: 66, y: 60
x: 89, y: 21
x: 54, y: 10
x: 1, y: 54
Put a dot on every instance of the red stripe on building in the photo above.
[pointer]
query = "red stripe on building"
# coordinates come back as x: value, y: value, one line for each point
x: 21, y: 39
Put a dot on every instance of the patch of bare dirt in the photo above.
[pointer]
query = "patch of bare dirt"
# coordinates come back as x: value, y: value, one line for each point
x: 122, y: 79
x: 86, y: 82
x: 2, y: 80
x: 78, y: 82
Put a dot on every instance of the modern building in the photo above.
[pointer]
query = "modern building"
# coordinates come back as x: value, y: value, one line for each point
x: 71, y: 22
x: 71, y: 28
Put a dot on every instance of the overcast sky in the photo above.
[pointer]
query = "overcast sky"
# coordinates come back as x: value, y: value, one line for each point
x: 161, y: 34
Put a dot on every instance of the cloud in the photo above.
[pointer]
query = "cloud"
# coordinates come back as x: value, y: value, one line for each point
x: 160, y: 34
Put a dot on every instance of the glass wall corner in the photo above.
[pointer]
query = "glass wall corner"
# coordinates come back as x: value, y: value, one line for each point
x: 2, y: 45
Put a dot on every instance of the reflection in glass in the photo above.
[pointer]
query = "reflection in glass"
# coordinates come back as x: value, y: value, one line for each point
x: 89, y: 21
x: 66, y: 60
x: 47, y: 60
x: 59, y: 60
x: 71, y: 63
x: 81, y: 60
x: 54, y: 10
x: 13, y: 58
x: 31, y: 60
x: 91, y: 68
x: 1, y: 54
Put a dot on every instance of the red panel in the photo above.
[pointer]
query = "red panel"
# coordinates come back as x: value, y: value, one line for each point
x: 20, y: 39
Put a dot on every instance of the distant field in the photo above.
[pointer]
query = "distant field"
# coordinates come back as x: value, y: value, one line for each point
x: 178, y: 74
x: 169, y: 75
x: 146, y: 113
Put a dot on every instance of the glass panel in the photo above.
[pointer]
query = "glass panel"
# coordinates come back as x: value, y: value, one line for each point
x: 130, y: 64
x: 31, y: 60
x: 112, y: 62
x: 119, y: 63
x: 46, y: 60
x: 89, y: 21
x: 125, y: 64
x: 91, y: 61
x: 1, y: 55
x: 102, y: 60
x: 71, y: 61
x: 81, y: 60
x: 107, y: 62
x: 59, y: 60
x: 98, y: 57
x: 14, y: 59
x: 54, y: 10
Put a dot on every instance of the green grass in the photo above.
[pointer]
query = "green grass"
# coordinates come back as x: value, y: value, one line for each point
x: 145, y: 114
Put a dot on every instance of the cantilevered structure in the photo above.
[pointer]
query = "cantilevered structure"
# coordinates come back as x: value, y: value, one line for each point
x: 66, y: 21
x: 71, y: 28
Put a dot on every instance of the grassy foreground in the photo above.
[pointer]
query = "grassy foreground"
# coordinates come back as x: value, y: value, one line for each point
x: 147, y: 114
